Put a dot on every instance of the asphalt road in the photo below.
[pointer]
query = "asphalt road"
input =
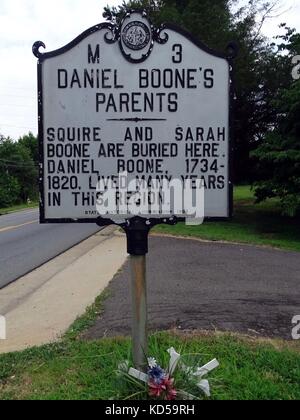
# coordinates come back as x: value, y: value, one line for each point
x: 207, y: 286
x: 25, y: 244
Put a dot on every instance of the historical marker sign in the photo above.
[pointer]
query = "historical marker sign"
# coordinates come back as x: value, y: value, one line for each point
x: 154, y: 103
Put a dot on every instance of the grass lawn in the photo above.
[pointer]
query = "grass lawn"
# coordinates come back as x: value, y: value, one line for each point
x: 80, y: 370
x: 18, y: 207
x: 259, y: 224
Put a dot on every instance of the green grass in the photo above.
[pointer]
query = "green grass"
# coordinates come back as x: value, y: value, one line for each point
x: 259, y: 224
x: 75, y: 369
x: 79, y: 370
x: 88, y: 319
x: 18, y: 207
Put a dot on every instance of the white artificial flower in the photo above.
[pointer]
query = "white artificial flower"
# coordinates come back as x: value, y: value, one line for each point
x: 152, y: 363
x: 174, y: 360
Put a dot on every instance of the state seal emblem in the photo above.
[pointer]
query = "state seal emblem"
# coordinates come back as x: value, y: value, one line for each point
x: 136, y: 35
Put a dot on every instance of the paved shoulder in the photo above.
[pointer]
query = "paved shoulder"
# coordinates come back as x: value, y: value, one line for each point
x: 41, y: 306
x: 195, y: 285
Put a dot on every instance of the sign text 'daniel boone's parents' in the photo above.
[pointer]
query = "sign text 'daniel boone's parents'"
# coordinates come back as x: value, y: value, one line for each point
x: 155, y: 106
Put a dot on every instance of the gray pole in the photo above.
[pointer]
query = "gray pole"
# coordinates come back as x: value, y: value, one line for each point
x: 139, y: 311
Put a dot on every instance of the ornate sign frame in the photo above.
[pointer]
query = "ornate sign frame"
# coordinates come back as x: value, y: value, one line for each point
x: 132, y: 37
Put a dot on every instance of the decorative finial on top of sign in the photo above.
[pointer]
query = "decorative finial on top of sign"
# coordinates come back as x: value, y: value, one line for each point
x: 136, y: 35
x: 36, y: 48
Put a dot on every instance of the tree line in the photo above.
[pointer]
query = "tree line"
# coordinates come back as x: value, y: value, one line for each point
x: 19, y: 162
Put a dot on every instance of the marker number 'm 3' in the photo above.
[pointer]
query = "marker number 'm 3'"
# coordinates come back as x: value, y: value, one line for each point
x: 178, y: 50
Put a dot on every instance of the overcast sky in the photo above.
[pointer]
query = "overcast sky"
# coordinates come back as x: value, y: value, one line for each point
x: 56, y: 22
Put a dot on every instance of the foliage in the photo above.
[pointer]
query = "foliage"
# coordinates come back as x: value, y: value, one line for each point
x: 9, y: 190
x: 261, y: 68
x: 29, y: 141
x: 279, y: 156
x: 18, y: 170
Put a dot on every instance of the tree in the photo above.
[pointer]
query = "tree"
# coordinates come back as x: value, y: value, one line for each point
x: 18, y: 171
x: 260, y: 69
x: 9, y: 190
x: 279, y: 156
x: 30, y: 142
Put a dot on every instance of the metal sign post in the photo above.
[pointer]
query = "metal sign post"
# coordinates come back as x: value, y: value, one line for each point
x: 137, y: 231
x: 137, y: 243
x: 152, y: 103
x: 139, y: 310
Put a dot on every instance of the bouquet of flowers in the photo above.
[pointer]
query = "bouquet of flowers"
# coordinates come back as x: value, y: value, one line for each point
x: 161, y: 385
x: 161, y: 382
